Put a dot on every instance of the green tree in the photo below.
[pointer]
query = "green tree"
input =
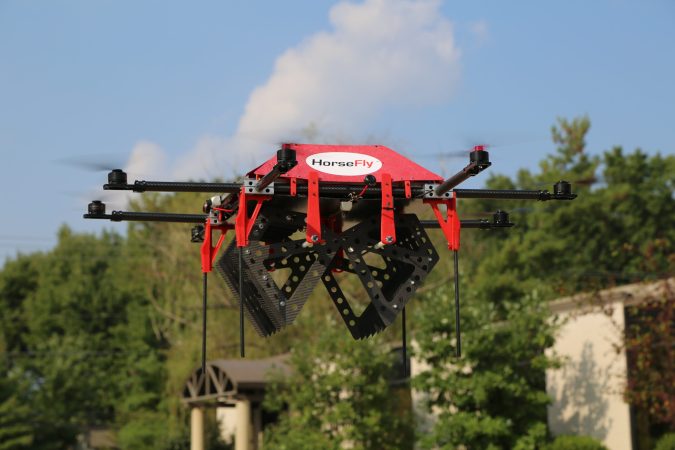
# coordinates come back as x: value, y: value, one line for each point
x: 15, y: 417
x: 575, y: 443
x: 495, y: 395
x: 617, y: 232
x: 339, y: 395
x: 80, y: 337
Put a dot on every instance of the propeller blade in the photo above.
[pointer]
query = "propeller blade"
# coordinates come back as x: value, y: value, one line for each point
x: 445, y: 155
x: 94, y: 163
x: 488, y: 144
x: 500, y: 140
x: 586, y: 181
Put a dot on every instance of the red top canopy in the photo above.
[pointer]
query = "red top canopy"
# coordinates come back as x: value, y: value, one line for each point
x: 349, y: 163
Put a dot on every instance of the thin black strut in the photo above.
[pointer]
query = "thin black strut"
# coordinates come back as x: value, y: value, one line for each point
x: 457, y: 334
x: 241, y: 302
x: 338, y: 191
x: 513, y: 194
x: 404, y: 347
x: 484, y: 224
x: 204, y: 326
x: 479, y: 160
x: 173, y: 186
x: 119, y: 216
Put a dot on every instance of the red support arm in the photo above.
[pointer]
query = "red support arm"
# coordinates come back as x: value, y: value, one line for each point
x: 450, y: 224
x: 313, y: 209
x: 243, y: 224
x: 387, y: 225
x: 208, y: 251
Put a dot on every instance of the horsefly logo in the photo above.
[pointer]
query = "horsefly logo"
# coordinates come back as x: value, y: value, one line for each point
x: 344, y: 163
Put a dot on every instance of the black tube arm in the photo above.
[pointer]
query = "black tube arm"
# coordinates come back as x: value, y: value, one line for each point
x: 173, y: 186
x: 514, y: 194
x: 119, y: 216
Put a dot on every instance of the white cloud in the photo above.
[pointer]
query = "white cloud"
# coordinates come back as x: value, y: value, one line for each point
x: 378, y: 54
x: 147, y: 160
x: 480, y: 31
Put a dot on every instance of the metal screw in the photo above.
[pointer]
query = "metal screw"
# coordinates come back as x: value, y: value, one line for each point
x: 315, y: 238
x: 261, y: 225
x: 350, y: 249
x: 288, y: 218
x: 395, y: 306
x: 412, y: 282
x: 389, y: 239
x: 265, y: 278
x: 282, y: 303
x: 247, y: 252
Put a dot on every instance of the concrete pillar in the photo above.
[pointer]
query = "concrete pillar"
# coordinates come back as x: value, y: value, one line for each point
x: 257, y: 428
x: 196, y: 428
x: 242, y: 437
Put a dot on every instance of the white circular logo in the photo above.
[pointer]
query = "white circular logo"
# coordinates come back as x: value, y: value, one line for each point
x: 343, y: 163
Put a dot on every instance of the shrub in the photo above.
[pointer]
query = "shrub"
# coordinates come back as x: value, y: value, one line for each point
x: 667, y: 442
x: 575, y: 443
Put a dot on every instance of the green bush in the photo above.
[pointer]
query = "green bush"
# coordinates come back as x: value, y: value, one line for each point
x: 575, y: 443
x: 667, y: 442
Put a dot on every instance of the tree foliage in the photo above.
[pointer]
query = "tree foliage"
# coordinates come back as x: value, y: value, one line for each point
x: 566, y: 442
x: 79, y: 338
x: 616, y: 232
x: 650, y: 338
x: 339, y: 396
x: 16, y: 431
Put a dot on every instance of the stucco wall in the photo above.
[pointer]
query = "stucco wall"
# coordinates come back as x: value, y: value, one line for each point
x: 586, y: 391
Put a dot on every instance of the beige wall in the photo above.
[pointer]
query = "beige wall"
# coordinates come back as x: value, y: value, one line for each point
x: 587, y: 390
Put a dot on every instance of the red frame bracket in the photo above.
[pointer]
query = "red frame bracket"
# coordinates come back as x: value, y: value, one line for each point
x: 387, y: 225
x: 450, y: 224
x: 408, y: 190
x: 243, y: 224
x: 313, y: 210
x: 208, y: 250
x: 294, y: 187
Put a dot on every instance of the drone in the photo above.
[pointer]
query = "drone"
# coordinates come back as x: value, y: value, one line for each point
x: 315, y: 214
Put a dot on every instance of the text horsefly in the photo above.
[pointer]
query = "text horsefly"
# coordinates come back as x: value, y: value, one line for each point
x: 344, y: 163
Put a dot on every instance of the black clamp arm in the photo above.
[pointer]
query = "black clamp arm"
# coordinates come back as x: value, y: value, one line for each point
x: 562, y: 190
x: 117, y: 181
x: 500, y: 219
x: 96, y: 210
x: 479, y: 160
x: 285, y: 161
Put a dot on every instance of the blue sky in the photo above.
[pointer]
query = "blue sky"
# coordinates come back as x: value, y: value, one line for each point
x: 178, y: 88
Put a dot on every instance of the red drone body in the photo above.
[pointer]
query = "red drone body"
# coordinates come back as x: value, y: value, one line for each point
x: 290, y: 213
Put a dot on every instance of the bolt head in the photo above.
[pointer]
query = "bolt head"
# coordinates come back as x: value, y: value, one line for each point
x: 389, y: 239
x: 350, y: 249
x: 315, y: 238
x: 282, y: 303
x: 395, y: 306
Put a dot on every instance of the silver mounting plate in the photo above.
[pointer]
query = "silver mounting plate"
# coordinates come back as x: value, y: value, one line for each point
x: 249, y: 187
x: 430, y: 191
